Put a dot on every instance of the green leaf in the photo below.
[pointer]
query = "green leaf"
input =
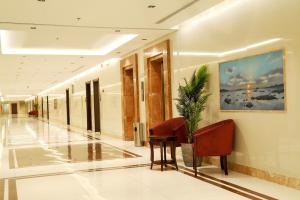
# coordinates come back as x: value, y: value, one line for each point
x: 192, y: 99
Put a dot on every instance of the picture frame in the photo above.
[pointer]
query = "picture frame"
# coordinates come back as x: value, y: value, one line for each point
x: 253, y: 83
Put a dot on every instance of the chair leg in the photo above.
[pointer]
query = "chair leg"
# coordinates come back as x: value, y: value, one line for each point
x: 221, y: 162
x: 173, y: 153
x: 161, y: 157
x: 194, y: 163
x: 225, y: 165
x: 151, y: 154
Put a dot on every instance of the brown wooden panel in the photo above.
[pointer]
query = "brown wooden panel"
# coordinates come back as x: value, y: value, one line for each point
x: 158, y: 96
x: 68, y: 106
x: 96, y: 105
x: 14, y: 108
x: 130, y: 94
x: 88, y: 106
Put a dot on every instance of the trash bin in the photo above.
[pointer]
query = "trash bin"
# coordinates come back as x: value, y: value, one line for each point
x: 138, y: 134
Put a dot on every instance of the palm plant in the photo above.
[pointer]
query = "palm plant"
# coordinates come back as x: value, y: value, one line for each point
x: 192, y: 98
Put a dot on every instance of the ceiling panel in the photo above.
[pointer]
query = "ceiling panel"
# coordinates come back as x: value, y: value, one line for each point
x: 79, y: 24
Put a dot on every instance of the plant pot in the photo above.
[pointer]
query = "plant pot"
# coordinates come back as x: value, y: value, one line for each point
x: 187, y: 155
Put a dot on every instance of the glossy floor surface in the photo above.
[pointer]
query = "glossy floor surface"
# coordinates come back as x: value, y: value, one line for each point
x: 46, y: 161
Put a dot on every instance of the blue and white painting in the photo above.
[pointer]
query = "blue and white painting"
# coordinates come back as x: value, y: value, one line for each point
x: 253, y: 83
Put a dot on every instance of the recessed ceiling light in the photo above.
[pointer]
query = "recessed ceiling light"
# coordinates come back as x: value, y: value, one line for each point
x: 32, y: 27
x: 117, y: 31
x: 78, y: 18
x: 151, y: 6
x: 144, y: 39
x: 41, y: 0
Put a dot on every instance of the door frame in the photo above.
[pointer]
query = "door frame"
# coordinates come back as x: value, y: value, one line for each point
x: 42, y: 111
x: 48, y: 108
x: 130, y: 62
x: 89, y: 123
x: 68, y: 105
x: 97, y: 99
x: 14, y: 105
x: 155, y: 52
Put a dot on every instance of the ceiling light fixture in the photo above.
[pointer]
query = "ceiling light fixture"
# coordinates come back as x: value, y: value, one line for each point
x: 229, y: 52
x: 151, y: 6
x: 33, y: 28
x: 119, y: 41
x: 78, y: 76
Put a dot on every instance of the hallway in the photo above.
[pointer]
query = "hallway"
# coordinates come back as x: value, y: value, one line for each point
x: 47, y: 161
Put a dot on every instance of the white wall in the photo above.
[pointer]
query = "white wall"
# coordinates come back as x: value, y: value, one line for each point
x: 110, y: 104
x: 264, y: 140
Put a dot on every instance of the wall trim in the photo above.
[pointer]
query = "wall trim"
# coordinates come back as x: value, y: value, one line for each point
x: 259, y: 173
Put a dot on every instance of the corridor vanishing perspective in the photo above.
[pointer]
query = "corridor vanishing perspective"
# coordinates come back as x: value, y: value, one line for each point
x: 149, y: 99
x: 47, y: 161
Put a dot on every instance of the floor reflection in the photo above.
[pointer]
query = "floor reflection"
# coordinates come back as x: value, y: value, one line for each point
x: 37, y: 156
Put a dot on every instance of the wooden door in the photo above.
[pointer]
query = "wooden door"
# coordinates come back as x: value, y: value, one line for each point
x: 158, y: 84
x: 14, y: 108
x: 130, y: 95
x: 96, y: 106
x: 68, y: 106
x: 88, y: 106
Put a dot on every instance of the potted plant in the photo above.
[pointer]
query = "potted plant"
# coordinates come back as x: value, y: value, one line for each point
x: 190, y: 104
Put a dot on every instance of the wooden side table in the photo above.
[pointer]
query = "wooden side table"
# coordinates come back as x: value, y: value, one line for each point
x: 163, y: 141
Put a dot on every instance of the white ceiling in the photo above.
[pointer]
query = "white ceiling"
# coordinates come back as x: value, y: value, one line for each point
x: 56, y: 26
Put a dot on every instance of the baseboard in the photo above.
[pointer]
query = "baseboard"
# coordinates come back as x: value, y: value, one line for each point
x: 112, y: 135
x: 262, y: 174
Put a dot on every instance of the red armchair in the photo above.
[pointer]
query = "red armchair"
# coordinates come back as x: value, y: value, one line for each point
x: 34, y: 113
x: 214, y: 140
x: 174, y: 126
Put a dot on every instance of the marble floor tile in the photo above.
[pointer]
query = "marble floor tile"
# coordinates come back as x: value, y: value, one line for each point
x: 46, y: 161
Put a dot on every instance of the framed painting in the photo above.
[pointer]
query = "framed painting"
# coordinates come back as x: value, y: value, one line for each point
x: 253, y: 83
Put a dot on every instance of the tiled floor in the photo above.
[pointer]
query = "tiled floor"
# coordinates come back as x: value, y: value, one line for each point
x: 40, y: 161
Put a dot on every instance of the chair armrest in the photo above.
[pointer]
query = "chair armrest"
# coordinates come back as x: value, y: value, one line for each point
x: 206, y: 130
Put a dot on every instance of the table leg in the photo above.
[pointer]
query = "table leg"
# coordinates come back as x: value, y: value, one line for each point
x: 165, y: 154
x: 151, y: 154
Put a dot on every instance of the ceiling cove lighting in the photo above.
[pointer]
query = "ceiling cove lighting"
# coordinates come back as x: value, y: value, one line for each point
x: 18, y: 96
x: 30, y: 98
x: 229, y: 52
x: 79, y: 76
x: 6, y: 49
x: 212, y: 12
